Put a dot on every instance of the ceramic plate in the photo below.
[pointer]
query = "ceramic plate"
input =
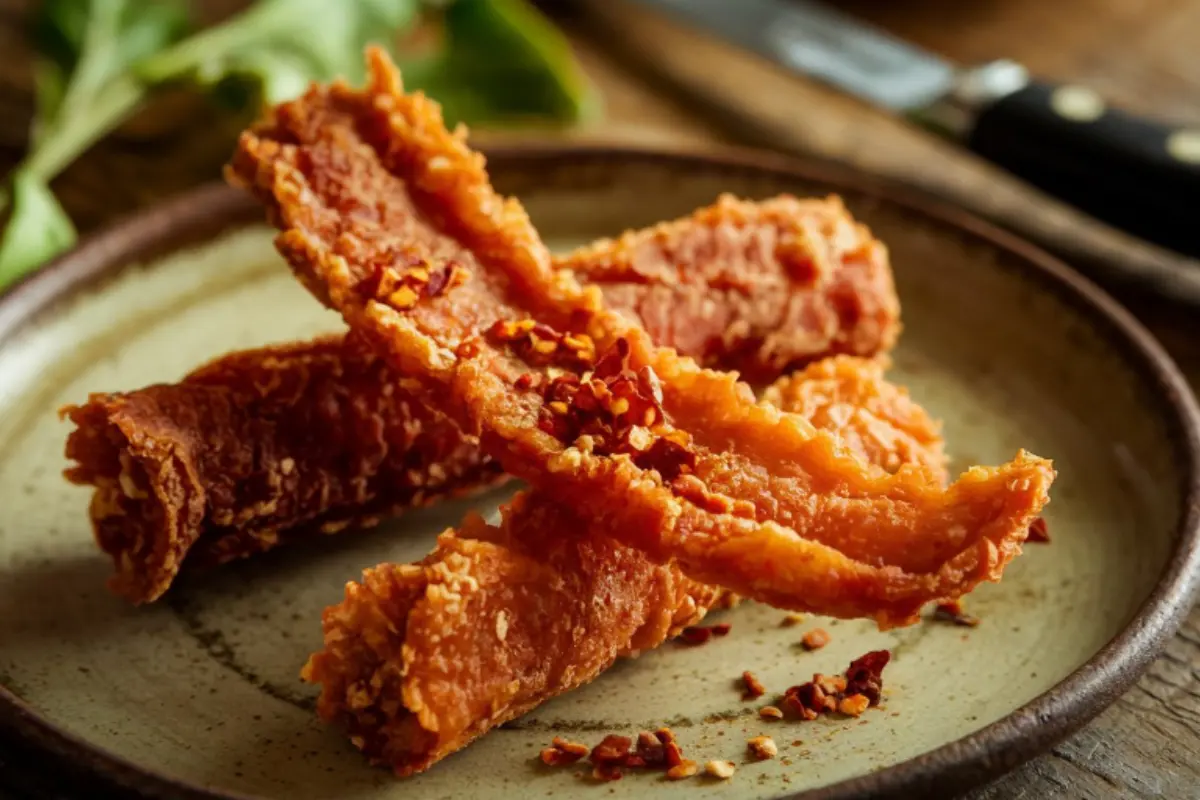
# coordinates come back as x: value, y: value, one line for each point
x: 199, y: 696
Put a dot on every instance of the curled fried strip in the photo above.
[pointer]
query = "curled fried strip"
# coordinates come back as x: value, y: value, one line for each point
x: 258, y: 449
x: 226, y: 464
x: 421, y: 659
x: 573, y: 397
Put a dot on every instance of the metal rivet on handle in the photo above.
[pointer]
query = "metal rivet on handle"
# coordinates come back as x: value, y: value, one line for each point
x: 1184, y: 145
x: 1077, y: 104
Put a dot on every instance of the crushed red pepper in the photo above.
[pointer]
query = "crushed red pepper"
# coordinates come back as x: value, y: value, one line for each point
x: 850, y: 694
x: 657, y: 750
x: 562, y: 752
x: 865, y: 675
x: 614, y: 409
x: 754, y: 687
x: 403, y: 288
x: 1039, y: 532
x: 538, y: 343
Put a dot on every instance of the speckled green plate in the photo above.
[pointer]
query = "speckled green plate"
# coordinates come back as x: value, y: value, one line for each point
x: 199, y: 696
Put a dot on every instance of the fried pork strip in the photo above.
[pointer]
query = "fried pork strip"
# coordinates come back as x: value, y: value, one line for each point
x: 265, y: 446
x: 258, y: 449
x: 374, y: 197
x: 421, y: 659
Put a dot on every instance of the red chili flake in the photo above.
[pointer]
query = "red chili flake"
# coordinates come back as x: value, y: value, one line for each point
x: 650, y: 749
x: 808, y: 700
x: 815, y: 639
x: 612, y: 749
x: 851, y: 694
x: 1039, y: 532
x: 952, y: 612
x: 865, y: 675
x: 648, y: 378
x: 668, y: 457
x: 612, y: 363
x: 754, y: 687
x: 830, y: 684
x: 525, y: 381
x: 438, y: 281
x: 538, y: 343
x: 722, y: 628
x: 606, y: 772
x: 562, y: 751
x: 673, y: 753
x: 696, y: 634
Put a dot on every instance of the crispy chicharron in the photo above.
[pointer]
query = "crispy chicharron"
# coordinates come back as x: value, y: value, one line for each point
x: 266, y: 446
x: 421, y: 659
x: 570, y: 395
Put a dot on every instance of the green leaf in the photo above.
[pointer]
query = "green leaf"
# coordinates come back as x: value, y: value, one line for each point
x: 38, y: 229
x: 85, y: 46
x: 283, y: 45
x: 50, y: 86
x: 502, y: 61
x: 93, y: 40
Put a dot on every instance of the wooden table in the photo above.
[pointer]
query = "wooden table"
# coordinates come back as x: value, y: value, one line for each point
x: 1138, y: 52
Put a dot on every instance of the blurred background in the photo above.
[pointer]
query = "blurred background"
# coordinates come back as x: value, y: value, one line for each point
x: 109, y: 105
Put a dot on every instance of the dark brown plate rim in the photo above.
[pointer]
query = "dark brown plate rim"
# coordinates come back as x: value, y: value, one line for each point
x: 950, y: 768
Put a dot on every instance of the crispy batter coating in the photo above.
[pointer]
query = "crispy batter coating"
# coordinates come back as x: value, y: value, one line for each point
x: 257, y: 449
x: 421, y: 659
x: 760, y: 288
x: 871, y: 415
x: 373, y: 196
x: 195, y: 471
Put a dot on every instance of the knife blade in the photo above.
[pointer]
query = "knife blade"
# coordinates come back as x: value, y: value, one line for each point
x: 1133, y: 173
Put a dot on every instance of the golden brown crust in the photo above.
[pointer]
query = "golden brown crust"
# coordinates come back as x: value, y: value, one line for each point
x: 496, y: 621
x: 207, y: 454
x: 419, y: 660
x: 759, y: 501
x: 870, y: 415
x: 759, y: 288
x: 258, y: 448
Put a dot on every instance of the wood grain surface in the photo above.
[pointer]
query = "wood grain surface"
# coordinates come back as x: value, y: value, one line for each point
x: 1140, y: 53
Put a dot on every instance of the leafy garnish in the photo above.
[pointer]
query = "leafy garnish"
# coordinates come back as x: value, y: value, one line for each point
x: 82, y: 92
x: 285, y: 44
x: 37, y: 230
x: 502, y: 61
x: 498, y: 61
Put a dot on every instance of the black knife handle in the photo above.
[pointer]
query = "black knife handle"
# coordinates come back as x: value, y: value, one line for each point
x: 1138, y: 175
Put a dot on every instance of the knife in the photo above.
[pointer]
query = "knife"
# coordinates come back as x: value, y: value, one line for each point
x: 1134, y: 173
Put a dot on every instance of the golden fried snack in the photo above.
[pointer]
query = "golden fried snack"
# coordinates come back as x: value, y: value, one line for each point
x: 421, y: 659
x: 871, y: 416
x: 228, y: 462
x: 258, y: 449
x: 450, y: 283
x: 760, y: 288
